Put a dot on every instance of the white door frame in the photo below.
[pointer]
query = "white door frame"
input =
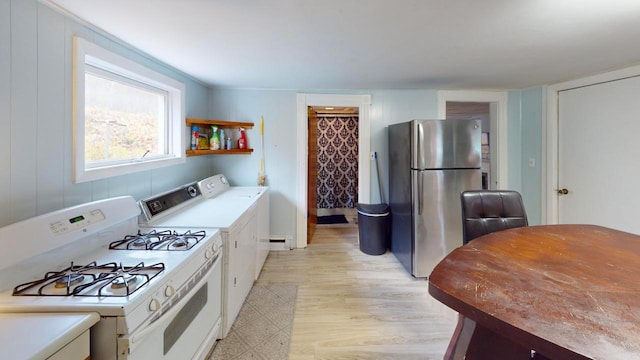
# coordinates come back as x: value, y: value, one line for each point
x: 550, y: 141
x: 363, y: 103
x: 501, y: 99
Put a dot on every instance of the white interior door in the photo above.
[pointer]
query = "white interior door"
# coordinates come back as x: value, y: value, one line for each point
x: 599, y: 154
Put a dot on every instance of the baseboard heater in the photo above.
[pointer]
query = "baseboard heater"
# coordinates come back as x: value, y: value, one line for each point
x: 280, y: 242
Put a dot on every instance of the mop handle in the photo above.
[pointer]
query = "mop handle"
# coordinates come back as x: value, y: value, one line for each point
x: 375, y: 157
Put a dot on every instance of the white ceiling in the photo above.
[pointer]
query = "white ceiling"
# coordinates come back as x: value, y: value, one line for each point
x: 376, y: 44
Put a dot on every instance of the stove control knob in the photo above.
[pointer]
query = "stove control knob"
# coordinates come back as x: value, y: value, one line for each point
x: 208, y: 254
x: 154, y: 305
x: 169, y: 291
x: 215, y: 247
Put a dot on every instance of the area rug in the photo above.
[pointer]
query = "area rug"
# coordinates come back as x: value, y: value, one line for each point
x: 332, y: 219
x: 262, y: 329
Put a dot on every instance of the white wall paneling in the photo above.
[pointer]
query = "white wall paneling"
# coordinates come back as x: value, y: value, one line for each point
x: 278, y: 108
x: 35, y: 115
x: 533, y: 103
x: 50, y: 139
x: 5, y: 110
x: 514, y: 141
x: 24, y: 72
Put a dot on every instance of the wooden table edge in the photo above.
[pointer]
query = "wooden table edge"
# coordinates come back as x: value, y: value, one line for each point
x: 506, y: 330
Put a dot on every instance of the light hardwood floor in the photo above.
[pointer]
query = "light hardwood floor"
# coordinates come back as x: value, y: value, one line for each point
x: 356, y: 306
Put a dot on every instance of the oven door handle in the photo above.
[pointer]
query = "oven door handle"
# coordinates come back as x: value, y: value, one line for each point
x: 139, y: 336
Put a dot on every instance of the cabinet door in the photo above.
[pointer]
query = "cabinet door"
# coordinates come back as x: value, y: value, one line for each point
x: 77, y: 349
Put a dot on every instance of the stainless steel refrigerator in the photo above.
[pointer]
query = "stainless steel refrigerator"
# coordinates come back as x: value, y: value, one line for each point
x: 430, y: 163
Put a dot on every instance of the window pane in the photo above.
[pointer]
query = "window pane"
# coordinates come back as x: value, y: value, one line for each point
x: 122, y: 121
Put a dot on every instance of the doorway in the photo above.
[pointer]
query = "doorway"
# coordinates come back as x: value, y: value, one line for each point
x: 363, y: 103
x: 497, y: 135
x: 332, y: 185
x: 459, y: 110
x: 592, y: 150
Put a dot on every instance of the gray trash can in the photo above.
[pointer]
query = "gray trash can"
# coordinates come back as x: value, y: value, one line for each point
x: 373, y: 228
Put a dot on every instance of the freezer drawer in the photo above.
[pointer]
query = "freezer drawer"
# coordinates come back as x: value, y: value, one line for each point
x: 437, y: 224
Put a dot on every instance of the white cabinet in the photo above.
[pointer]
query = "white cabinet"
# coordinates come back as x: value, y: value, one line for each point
x: 46, y: 336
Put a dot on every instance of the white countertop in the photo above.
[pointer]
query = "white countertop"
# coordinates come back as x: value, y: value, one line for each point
x: 38, y: 336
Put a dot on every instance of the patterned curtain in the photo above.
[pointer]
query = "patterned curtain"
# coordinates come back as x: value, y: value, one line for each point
x: 337, y: 162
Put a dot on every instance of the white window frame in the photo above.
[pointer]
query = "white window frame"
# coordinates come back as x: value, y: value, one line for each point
x: 88, y: 53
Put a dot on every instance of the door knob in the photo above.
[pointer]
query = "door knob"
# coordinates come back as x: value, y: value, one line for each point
x: 563, y: 191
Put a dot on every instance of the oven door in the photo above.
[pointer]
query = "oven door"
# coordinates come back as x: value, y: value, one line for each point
x: 188, y: 329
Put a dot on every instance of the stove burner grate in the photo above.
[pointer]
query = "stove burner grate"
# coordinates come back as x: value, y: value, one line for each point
x: 55, y: 277
x: 121, y: 276
x: 92, y: 280
x: 177, y: 242
x: 141, y: 241
x: 166, y: 240
x: 68, y: 280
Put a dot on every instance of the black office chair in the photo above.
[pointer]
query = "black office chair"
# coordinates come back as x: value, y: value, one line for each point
x: 487, y: 211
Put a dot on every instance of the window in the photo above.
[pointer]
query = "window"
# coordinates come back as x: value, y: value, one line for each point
x: 127, y: 117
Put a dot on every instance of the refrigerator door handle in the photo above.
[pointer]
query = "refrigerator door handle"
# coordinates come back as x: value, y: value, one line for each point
x: 420, y: 184
x: 419, y: 146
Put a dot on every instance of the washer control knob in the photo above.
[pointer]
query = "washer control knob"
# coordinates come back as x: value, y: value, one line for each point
x: 169, y: 291
x: 154, y: 305
x: 215, y: 247
x: 208, y: 254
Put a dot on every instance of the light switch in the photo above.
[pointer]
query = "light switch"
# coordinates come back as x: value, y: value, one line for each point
x: 532, y: 162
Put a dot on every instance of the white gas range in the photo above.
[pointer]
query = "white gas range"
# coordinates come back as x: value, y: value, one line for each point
x: 156, y: 289
x: 241, y: 214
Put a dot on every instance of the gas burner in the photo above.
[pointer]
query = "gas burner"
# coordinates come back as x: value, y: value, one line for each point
x: 180, y: 242
x: 123, y: 277
x: 141, y: 241
x: 69, y: 280
x: 105, y: 280
x: 123, y: 280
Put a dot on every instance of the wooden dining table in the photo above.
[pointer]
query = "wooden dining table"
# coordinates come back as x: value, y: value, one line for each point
x: 564, y: 291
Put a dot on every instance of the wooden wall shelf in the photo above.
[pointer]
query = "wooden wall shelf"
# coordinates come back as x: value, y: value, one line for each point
x: 220, y: 123
x: 223, y: 125
x: 219, y: 152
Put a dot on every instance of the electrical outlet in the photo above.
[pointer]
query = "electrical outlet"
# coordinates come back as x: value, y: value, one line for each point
x: 532, y: 162
x: 372, y: 155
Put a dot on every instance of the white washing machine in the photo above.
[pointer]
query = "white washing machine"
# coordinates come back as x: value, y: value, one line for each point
x: 218, y: 190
